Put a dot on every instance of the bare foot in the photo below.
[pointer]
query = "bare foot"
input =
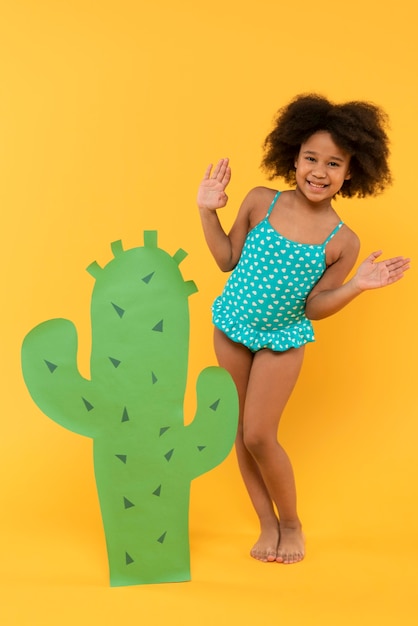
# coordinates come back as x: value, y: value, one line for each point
x: 265, y: 549
x: 291, y: 545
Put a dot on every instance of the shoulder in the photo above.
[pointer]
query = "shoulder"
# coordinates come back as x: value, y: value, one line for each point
x: 260, y: 195
x: 349, y: 238
x: 344, y: 247
x: 256, y: 203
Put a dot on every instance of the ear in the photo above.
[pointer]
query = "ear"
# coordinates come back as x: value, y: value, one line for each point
x: 348, y: 175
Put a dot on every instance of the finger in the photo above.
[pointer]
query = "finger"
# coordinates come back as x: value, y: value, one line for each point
x: 397, y: 269
x: 223, y: 199
x: 224, y: 175
x: 374, y: 255
x: 208, y: 171
x: 397, y: 264
x: 227, y: 176
x: 399, y: 260
x: 220, y: 169
x: 217, y: 169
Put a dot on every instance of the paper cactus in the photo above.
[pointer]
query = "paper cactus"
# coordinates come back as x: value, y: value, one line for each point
x: 132, y: 407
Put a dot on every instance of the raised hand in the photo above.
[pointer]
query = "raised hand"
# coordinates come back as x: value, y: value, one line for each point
x: 211, y: 193
x: 372, y: 274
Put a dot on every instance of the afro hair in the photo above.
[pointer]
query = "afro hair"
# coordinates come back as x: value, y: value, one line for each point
x: 356, y: 127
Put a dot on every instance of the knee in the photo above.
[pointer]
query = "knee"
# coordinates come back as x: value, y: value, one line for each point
x: 256, y: 442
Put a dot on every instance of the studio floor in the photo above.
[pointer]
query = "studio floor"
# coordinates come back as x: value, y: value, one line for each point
x: 343, y: 581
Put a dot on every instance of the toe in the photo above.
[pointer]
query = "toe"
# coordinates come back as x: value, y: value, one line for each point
x: 256, y: 554
x: 271, y: 556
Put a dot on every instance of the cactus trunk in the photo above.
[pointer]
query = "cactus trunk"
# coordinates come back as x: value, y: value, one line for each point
x: 147, y: 532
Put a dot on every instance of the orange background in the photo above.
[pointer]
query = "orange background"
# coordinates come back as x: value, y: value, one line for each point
x: 109, y: 114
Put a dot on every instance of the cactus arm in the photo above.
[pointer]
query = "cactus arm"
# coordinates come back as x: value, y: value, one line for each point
x: 211, y: 435
x: 49, y: 365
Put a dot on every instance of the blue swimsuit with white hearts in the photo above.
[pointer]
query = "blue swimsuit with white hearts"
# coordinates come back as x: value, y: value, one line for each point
x: 263, y: 302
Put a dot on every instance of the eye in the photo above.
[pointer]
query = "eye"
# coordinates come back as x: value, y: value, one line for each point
x: 310, y: 159
x: 334, y: 164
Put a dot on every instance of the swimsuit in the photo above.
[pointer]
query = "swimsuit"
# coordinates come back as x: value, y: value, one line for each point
x: 263, y: 302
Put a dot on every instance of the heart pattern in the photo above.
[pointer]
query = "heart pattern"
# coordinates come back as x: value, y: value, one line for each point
x: 270, y: 313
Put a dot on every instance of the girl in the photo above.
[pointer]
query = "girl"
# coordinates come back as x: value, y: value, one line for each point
x: 290, y: 254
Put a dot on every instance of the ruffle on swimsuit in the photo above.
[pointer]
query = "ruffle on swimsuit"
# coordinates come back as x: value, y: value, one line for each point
x: 263, y: 302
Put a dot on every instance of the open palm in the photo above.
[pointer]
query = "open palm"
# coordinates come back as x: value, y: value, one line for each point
x: 372, y: 274
x: 211, y: 193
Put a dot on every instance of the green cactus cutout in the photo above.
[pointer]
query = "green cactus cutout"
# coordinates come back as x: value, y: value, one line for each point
x: 132, y: 407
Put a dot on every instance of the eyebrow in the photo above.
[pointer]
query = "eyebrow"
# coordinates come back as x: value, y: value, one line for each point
x: 332, y: 158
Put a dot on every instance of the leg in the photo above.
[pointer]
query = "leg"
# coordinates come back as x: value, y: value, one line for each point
x: 238, y: 361
x: 272, y: 379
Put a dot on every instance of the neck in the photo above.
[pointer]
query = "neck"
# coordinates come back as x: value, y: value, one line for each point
x: 320, y: 207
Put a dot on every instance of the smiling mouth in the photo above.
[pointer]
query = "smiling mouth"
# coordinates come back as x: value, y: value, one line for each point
x: 316, y: 185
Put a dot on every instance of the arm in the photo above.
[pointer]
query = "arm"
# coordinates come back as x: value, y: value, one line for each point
x: 225, y: 248
x: 330, y: 295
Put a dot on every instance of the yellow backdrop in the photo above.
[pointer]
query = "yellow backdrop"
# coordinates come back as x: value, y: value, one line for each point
x: 109, y: 113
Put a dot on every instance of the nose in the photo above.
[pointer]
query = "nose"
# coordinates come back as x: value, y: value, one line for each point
x: 318, y: 170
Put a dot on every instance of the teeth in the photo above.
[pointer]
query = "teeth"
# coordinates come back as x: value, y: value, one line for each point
x: 319, y: 186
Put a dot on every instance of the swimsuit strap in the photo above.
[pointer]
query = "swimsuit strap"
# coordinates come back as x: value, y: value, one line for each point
x: 273, y: 203
x: 330, y: 236
x: 334, y: 232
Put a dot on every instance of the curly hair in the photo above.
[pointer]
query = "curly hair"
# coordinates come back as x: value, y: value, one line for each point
x: 356, y: 127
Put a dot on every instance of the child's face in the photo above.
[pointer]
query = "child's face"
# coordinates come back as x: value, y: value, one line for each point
x: 321, y: 167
